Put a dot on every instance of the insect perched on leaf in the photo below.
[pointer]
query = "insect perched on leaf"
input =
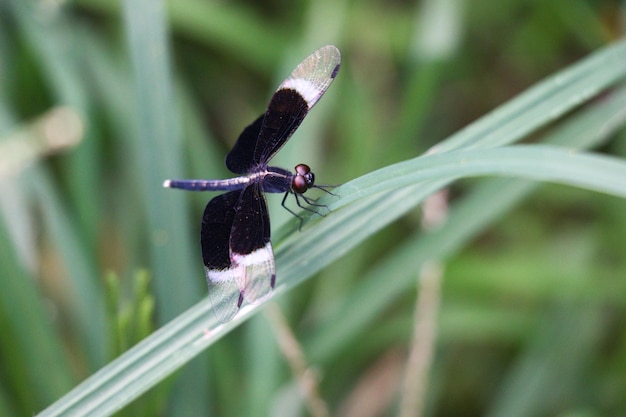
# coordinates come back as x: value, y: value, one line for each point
x: 235, y: 232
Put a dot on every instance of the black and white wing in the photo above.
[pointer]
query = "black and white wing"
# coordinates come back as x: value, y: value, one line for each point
x: 236, y: 250
x: 289, y: 105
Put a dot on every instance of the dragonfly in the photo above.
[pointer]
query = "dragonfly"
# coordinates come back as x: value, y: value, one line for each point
x: 235, y: 231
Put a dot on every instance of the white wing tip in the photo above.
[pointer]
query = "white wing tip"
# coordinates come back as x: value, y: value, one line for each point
x: 166, y: 183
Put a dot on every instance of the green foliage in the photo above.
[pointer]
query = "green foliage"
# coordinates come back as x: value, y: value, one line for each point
x: 100, y: 269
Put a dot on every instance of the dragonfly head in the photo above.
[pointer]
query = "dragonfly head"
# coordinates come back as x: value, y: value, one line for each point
x: 303, y: 180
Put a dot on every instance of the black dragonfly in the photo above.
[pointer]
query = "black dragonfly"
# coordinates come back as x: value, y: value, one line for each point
x: 235, y: 232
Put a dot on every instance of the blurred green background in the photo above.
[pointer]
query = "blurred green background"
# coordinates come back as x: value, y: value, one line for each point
x: 95, y: 255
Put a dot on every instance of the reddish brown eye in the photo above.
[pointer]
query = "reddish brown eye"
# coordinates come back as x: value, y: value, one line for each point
x: 299, y: 184
x: 303, y: 180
